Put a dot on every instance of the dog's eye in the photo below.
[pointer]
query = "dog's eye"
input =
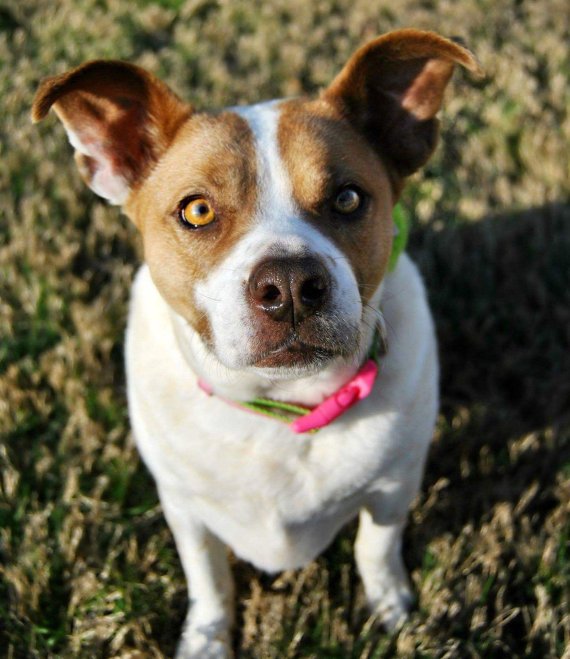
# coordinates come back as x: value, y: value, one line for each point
x: 348, y: 200
x: 196, y: 212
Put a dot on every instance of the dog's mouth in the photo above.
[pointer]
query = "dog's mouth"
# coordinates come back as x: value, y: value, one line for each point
x: 295, y: 352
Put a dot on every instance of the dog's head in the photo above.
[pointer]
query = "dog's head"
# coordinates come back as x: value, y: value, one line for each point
x: 267, y: 228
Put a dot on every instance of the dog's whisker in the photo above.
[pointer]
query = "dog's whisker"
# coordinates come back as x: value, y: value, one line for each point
x: 208, y: 297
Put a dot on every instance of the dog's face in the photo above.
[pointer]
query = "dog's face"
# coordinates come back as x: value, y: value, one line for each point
x: 272, y: 234
x: 268, y: 228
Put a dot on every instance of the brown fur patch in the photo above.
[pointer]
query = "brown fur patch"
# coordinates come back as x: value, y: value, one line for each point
x: 322, y: 153
x: 213, y: 156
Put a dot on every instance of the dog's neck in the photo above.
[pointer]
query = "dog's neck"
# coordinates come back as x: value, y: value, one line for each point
x: 243, y: 385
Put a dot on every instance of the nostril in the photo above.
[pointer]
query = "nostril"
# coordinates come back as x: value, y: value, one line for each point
x: 270, y: 293
x: 313, y: 290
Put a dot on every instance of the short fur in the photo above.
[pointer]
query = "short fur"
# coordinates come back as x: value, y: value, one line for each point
x: 271, y: 173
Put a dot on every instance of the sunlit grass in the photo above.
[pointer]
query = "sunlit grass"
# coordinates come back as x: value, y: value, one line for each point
x: 87, y: 565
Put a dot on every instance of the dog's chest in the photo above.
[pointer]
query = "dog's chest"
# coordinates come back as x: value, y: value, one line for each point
x: 276, y: 498
x: 246, y: 464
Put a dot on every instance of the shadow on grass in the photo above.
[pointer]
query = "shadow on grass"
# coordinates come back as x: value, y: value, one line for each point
x: 500, y: 293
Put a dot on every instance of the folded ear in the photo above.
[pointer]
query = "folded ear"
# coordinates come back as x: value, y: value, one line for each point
x: 392, y: 88
x: 118, y: 117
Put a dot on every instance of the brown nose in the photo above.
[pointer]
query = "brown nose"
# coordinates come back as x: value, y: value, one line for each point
x: 289, y: 289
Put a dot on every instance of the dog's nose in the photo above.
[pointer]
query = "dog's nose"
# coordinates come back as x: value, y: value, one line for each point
x: 289, y: 289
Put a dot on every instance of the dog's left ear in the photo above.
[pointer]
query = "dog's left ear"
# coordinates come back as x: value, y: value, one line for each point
x: 118, y: 117
x: 392, y: 88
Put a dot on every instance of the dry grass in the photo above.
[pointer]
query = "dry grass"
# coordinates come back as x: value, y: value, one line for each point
x: 88, y: 567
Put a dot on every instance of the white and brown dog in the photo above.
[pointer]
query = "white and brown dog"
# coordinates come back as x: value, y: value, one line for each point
x: 267, y: 234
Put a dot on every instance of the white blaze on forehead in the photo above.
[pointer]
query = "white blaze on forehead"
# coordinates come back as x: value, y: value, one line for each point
x: 275, y: 191
x: 279, y: 226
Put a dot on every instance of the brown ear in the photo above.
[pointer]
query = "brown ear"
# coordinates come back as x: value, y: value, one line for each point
x: 119, y: 118
x: 392, y: 88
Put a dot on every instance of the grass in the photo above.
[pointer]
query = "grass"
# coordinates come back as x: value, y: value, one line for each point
x: 87, y: 565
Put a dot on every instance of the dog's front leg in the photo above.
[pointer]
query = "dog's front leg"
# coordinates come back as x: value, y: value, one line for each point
x: 210, y: 585
x: 378, y: 552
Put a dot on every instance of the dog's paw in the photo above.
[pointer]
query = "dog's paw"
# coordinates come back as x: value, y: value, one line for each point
x: 204, y: 642
x: 390, y: 600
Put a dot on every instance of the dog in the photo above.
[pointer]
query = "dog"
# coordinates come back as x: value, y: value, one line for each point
x: 281, y: 358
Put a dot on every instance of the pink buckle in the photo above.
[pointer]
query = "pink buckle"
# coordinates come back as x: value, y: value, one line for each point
x: 332, y: 407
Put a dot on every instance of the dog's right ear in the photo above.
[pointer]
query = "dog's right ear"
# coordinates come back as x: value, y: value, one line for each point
x: 118, y: 117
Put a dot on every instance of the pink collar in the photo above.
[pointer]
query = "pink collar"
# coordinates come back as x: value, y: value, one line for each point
x: 304, y: 419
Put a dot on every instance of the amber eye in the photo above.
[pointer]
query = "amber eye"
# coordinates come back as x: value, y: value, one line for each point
x: 196, y: 212
x: 348, y: 200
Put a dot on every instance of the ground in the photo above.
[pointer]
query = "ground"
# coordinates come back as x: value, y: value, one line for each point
x: 87, y: 565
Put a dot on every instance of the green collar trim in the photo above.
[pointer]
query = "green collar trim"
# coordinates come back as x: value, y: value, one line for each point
x: 401, y: 233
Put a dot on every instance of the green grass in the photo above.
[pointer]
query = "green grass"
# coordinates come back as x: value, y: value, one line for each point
x: 87, y: 565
